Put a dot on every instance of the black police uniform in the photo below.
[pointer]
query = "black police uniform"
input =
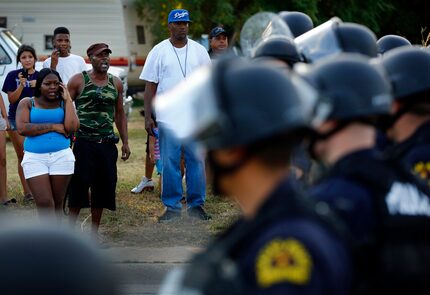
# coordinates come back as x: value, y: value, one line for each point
x: 387, y: 213
x: 288, y: 248
x: 415, y: 152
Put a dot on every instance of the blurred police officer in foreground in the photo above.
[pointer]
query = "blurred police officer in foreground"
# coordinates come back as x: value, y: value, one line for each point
x: 249, y: 118
x: 383, y: 205
x: 409, y: 71
x: 39, y: 259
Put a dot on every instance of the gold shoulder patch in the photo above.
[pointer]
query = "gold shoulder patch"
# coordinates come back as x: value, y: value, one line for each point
x: 422, y: 170
x: 283, y: 260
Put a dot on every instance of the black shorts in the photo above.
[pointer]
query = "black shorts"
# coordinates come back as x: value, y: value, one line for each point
x: 95, y: 169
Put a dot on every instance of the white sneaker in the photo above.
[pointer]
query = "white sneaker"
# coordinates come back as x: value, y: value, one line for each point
x: 145, y: 185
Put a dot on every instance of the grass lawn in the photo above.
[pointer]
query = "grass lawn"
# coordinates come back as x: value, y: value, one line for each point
x: 134, y: 222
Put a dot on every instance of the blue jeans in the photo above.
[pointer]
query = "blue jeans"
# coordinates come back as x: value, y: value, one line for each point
x: 170, y: 150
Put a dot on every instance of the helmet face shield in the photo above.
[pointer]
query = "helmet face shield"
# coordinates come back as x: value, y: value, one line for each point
x: 238, y: 103
x: 312, y: 104
x: 259, y: 27
x: 320, y: 42
x: 190, y: 108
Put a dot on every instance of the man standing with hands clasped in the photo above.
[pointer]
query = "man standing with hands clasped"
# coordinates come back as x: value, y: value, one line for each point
x: 168, y: 63
x: 98, y: 99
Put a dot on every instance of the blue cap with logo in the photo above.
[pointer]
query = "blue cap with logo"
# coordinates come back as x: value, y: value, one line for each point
x: 217, y: 31
x: 179, y: 15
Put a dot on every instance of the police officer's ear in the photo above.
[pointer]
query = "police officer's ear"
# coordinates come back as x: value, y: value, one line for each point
x: 226, y: 157
x: 396, y: 106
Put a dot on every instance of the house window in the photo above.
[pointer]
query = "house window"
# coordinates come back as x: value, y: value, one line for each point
x: 140, y: 35
x: 3, y: 22
x: 48, y: 42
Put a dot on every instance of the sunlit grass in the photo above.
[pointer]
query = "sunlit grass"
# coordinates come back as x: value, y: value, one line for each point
x: 135, y: 220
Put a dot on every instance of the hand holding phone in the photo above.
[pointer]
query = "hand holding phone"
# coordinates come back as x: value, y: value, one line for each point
x: 25, y: 73
x: 64, y: 93
x: 22, y: 79
x: 54, y: 58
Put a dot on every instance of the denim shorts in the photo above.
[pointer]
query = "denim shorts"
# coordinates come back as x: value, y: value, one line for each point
x: 2, y: 124
x: 56, y: 163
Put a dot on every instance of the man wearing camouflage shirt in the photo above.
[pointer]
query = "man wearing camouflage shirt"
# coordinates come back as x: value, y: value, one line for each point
x: 99, y: 103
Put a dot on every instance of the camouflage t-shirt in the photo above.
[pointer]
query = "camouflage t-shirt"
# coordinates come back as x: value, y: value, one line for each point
x: 95, y: 108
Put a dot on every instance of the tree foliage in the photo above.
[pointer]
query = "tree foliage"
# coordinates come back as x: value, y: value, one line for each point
x: 381, y: 16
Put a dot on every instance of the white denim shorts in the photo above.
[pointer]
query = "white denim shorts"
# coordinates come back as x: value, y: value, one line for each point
x: 2, y: 124
x: 56, y: 163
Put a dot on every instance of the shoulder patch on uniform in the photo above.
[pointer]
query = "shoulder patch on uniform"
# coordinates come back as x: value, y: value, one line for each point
x: 283, y: 260
x: 422, y: 170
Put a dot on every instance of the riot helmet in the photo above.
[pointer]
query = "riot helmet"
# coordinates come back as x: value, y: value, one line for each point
x: 298, y: 22
x: 357, y: 38
x: 359, y: 92
x: 236, y: 104
x: 334, y: 37
x: 52, y: 260
x: 408, y: 69
x: 356, y: 89
x: 279, y: 47
x: 389, y: 42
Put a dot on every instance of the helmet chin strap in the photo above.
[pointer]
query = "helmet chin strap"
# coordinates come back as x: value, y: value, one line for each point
x: 223, y: 170
x: 386, y: 123
x: 324, y: 136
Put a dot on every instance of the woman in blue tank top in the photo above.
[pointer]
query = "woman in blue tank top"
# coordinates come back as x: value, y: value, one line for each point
x: 46, y: 120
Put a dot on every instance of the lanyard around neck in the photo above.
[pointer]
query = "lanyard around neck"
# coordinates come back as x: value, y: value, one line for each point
x: 184, y: 71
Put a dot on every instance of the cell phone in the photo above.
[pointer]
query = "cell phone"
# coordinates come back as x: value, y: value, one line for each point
x: 25, y: 73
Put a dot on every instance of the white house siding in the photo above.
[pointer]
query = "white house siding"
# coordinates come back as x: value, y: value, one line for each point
x: 89, y: 21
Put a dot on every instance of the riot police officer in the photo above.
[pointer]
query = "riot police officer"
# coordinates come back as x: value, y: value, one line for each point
x: 384, y: 207
x: 249, y: 117
x: 409, y: 71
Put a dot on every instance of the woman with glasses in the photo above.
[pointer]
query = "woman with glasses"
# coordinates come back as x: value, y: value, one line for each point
x: 46, y: 120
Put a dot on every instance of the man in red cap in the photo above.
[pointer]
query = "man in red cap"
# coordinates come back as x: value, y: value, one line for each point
x: 99, y: 103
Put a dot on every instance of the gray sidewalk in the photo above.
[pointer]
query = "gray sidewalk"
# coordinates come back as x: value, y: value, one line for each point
x: 142, y: 269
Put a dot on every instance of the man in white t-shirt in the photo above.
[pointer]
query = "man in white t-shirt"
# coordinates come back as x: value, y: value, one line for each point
x: 168, y: 63
x: 61, y: 60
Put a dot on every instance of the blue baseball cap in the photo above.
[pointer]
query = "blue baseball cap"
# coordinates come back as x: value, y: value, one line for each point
x: 217, y: 31
x: 179, y: 15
